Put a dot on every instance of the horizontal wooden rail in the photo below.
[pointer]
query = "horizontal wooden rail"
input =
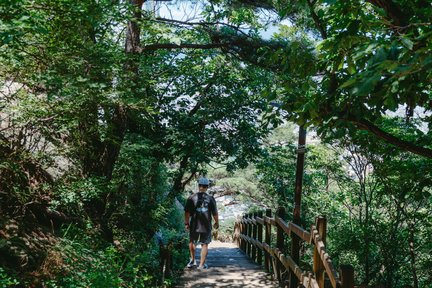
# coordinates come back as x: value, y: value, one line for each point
x: 293, y: 228
x: 252, y: 241
x: 260, y: 220
x: 299, y: 231
x: 269, y: 220
x: 285, y: 226
x: 316, y: 237
x: 306, y: 279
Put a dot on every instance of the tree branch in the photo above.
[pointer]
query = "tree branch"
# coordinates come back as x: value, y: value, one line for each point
x: 393, y: 11
x: 202, y: 23
x: 198, y: 105
x: 316, y: 19
x: 193, y: 174
x: 171, y: 46
x: 266, y: 4
x: 402, y: 144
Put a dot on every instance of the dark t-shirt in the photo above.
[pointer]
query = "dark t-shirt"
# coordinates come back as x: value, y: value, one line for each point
x: 201, y: 206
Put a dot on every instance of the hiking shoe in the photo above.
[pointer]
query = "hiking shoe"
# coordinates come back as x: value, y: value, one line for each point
x: 202, y: 267
x: 192, y: 263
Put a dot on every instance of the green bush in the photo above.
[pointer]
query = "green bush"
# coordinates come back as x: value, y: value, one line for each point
x: 226, y: 230
x: 7, y: 280
x: 86, y: 267
x: 133, y: 262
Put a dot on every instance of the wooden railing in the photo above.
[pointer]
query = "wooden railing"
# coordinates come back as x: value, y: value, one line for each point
x: 249, y: 232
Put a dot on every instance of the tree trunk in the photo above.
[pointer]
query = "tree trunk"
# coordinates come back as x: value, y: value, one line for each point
x: 178, y: 184
x: 412, y: 254
x: 367, y: 246
x: 113, y: 145
x: 100, y: 156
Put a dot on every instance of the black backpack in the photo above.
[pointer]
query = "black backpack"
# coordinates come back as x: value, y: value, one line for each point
x: 202, y: 210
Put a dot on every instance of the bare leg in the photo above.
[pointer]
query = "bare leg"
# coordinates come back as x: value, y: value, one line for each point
x: 192, y: 250
x: 204, y: 252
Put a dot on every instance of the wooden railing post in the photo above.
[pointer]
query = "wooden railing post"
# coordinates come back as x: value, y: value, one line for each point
x: 237, y: 231
x: 244, y: 232
x: 295, y: 255
x: 347, y: 276
x: 280, y: 243
x: 254, y: 236
x: 318, y: 266
x: 166, y: 260
x: 260, y: 238
x: 267, y: 241
x: 249, y: 234
x: 240, y: 231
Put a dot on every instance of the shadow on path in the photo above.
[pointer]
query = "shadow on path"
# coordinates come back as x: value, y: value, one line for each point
x: 228, y: 267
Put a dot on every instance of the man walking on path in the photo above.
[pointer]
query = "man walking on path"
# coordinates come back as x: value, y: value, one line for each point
x: 199, y: 209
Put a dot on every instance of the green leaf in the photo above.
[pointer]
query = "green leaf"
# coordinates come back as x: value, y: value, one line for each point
x: 368, y: 85
x: 176, y: 40
x: 348, y: 83
x: 391, y: 102
x: 380, y: 56
x: 407, y: 43
x: 351, y: 66
x: 389, y: 65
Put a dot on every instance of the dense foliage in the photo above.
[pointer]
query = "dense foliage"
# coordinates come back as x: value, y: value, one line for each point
x: 360, y: 60
x: 376, y: 200
x: 109, y: 109
x: 99, y: 136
